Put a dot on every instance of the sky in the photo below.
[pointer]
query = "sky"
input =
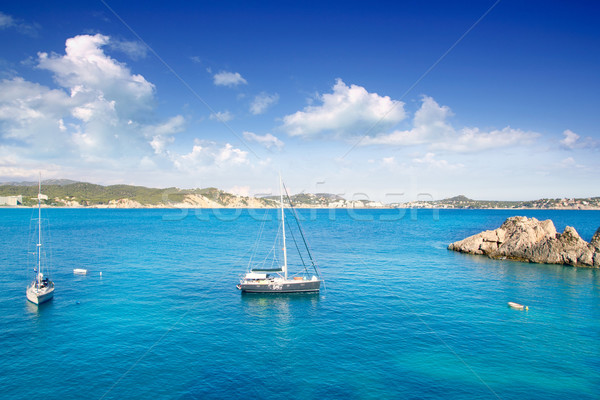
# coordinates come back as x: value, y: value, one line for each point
x: 389, y: 101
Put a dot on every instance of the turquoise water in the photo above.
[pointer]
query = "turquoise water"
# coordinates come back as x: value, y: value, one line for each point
x: 401, y: 317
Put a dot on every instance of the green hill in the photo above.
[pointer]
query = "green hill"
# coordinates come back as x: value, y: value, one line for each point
x: 91, y: 194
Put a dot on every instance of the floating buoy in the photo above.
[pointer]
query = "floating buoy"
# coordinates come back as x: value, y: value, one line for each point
x: 100, y: 273
x: 517, y: 306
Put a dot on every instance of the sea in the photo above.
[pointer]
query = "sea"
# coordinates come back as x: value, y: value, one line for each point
x: 399, y: 316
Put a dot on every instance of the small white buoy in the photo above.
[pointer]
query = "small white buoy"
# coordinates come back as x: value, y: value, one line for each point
x: 100, y: 273
x: 517, y: 306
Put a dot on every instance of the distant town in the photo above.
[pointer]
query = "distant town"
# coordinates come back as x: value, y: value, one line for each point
x: 71, y: 194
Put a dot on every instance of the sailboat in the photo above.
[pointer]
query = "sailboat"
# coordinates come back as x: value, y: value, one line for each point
x: 42, y: 288
x: 279, y: 280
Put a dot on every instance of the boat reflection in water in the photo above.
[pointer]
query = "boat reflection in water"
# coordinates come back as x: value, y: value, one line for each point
x: 282, y: 307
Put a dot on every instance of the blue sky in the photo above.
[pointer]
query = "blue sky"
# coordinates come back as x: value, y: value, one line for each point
x: 354, y: 98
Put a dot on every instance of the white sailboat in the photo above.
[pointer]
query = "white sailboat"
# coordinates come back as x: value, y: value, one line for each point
x: 42, y: 288
x: 278, y: 280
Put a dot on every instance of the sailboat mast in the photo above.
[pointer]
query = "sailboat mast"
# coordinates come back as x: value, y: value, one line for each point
x: 285, y: 269
x: 39, y: 243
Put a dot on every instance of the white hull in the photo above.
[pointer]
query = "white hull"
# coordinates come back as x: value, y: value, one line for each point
x: 39, y: 296
x: 80, y: 271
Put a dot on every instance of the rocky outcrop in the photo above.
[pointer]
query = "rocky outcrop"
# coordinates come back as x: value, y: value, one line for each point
x: 527, y: 239
x: 124, y: 203
x: 199, y: 201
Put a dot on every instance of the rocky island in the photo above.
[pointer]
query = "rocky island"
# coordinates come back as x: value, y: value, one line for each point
x: 527, y: 239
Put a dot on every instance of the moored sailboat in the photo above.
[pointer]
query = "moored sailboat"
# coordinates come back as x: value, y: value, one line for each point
x: 278, y: 280
x: 42, y: 288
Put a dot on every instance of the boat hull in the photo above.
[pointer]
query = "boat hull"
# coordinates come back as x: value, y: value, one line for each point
x: 40, y: 296
x: 280, y: 287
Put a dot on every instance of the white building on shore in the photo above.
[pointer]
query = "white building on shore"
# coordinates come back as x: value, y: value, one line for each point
x: 11, y: 200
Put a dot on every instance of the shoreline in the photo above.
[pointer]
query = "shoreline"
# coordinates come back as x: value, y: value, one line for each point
x: 300, y: 208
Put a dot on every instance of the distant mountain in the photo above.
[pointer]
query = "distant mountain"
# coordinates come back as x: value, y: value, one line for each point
x: 458, y: 198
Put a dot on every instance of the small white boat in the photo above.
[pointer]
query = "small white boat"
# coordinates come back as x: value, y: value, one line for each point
x: 517, y: 306
x: 41, y: 288
x: 80, y: 271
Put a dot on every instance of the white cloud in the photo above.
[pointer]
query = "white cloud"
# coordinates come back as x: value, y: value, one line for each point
x: 13, y: 167
x: 429, y: 123
x: 105, y: 97
x: 161, y: 134
x: 100, y: 114
x: 207, y: 154
x: 430, y: 127
x: 348, y: 110
x: 7, y: 21
x: 388, y: 161
x: 266, y: 140
x: 159, y: 143
x: 99, y: 123
x: 230, y: 79
x: 85, y: 69
x: 134, y: 49
x: 30, y: 116
x: 573, y: 141
x: 263, y: 101
x: 473, y: 140
x: 570, y: 140
x: 171, y: 126
x: 232, y: 155
x: 430, y: 161
x: 240, y: 190
x: 222, y: 116
x: 569, y: 162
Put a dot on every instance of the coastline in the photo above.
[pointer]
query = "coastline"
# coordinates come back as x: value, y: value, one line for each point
x: 192, y: 207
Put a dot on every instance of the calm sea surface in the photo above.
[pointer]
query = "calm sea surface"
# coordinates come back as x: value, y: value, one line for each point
x: 401, y: 317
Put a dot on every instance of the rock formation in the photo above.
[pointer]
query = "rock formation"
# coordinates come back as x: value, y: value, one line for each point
x: 527, y: 239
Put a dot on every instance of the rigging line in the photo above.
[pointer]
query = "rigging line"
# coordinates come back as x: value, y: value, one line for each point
x: 435, y: 64
x: 187, y: 86
x: 256, y: 242
x: 314, y: 264
x: 241, y: 257
x: 297, y: 248
x: 275, y: 245
x: 430, y: 329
